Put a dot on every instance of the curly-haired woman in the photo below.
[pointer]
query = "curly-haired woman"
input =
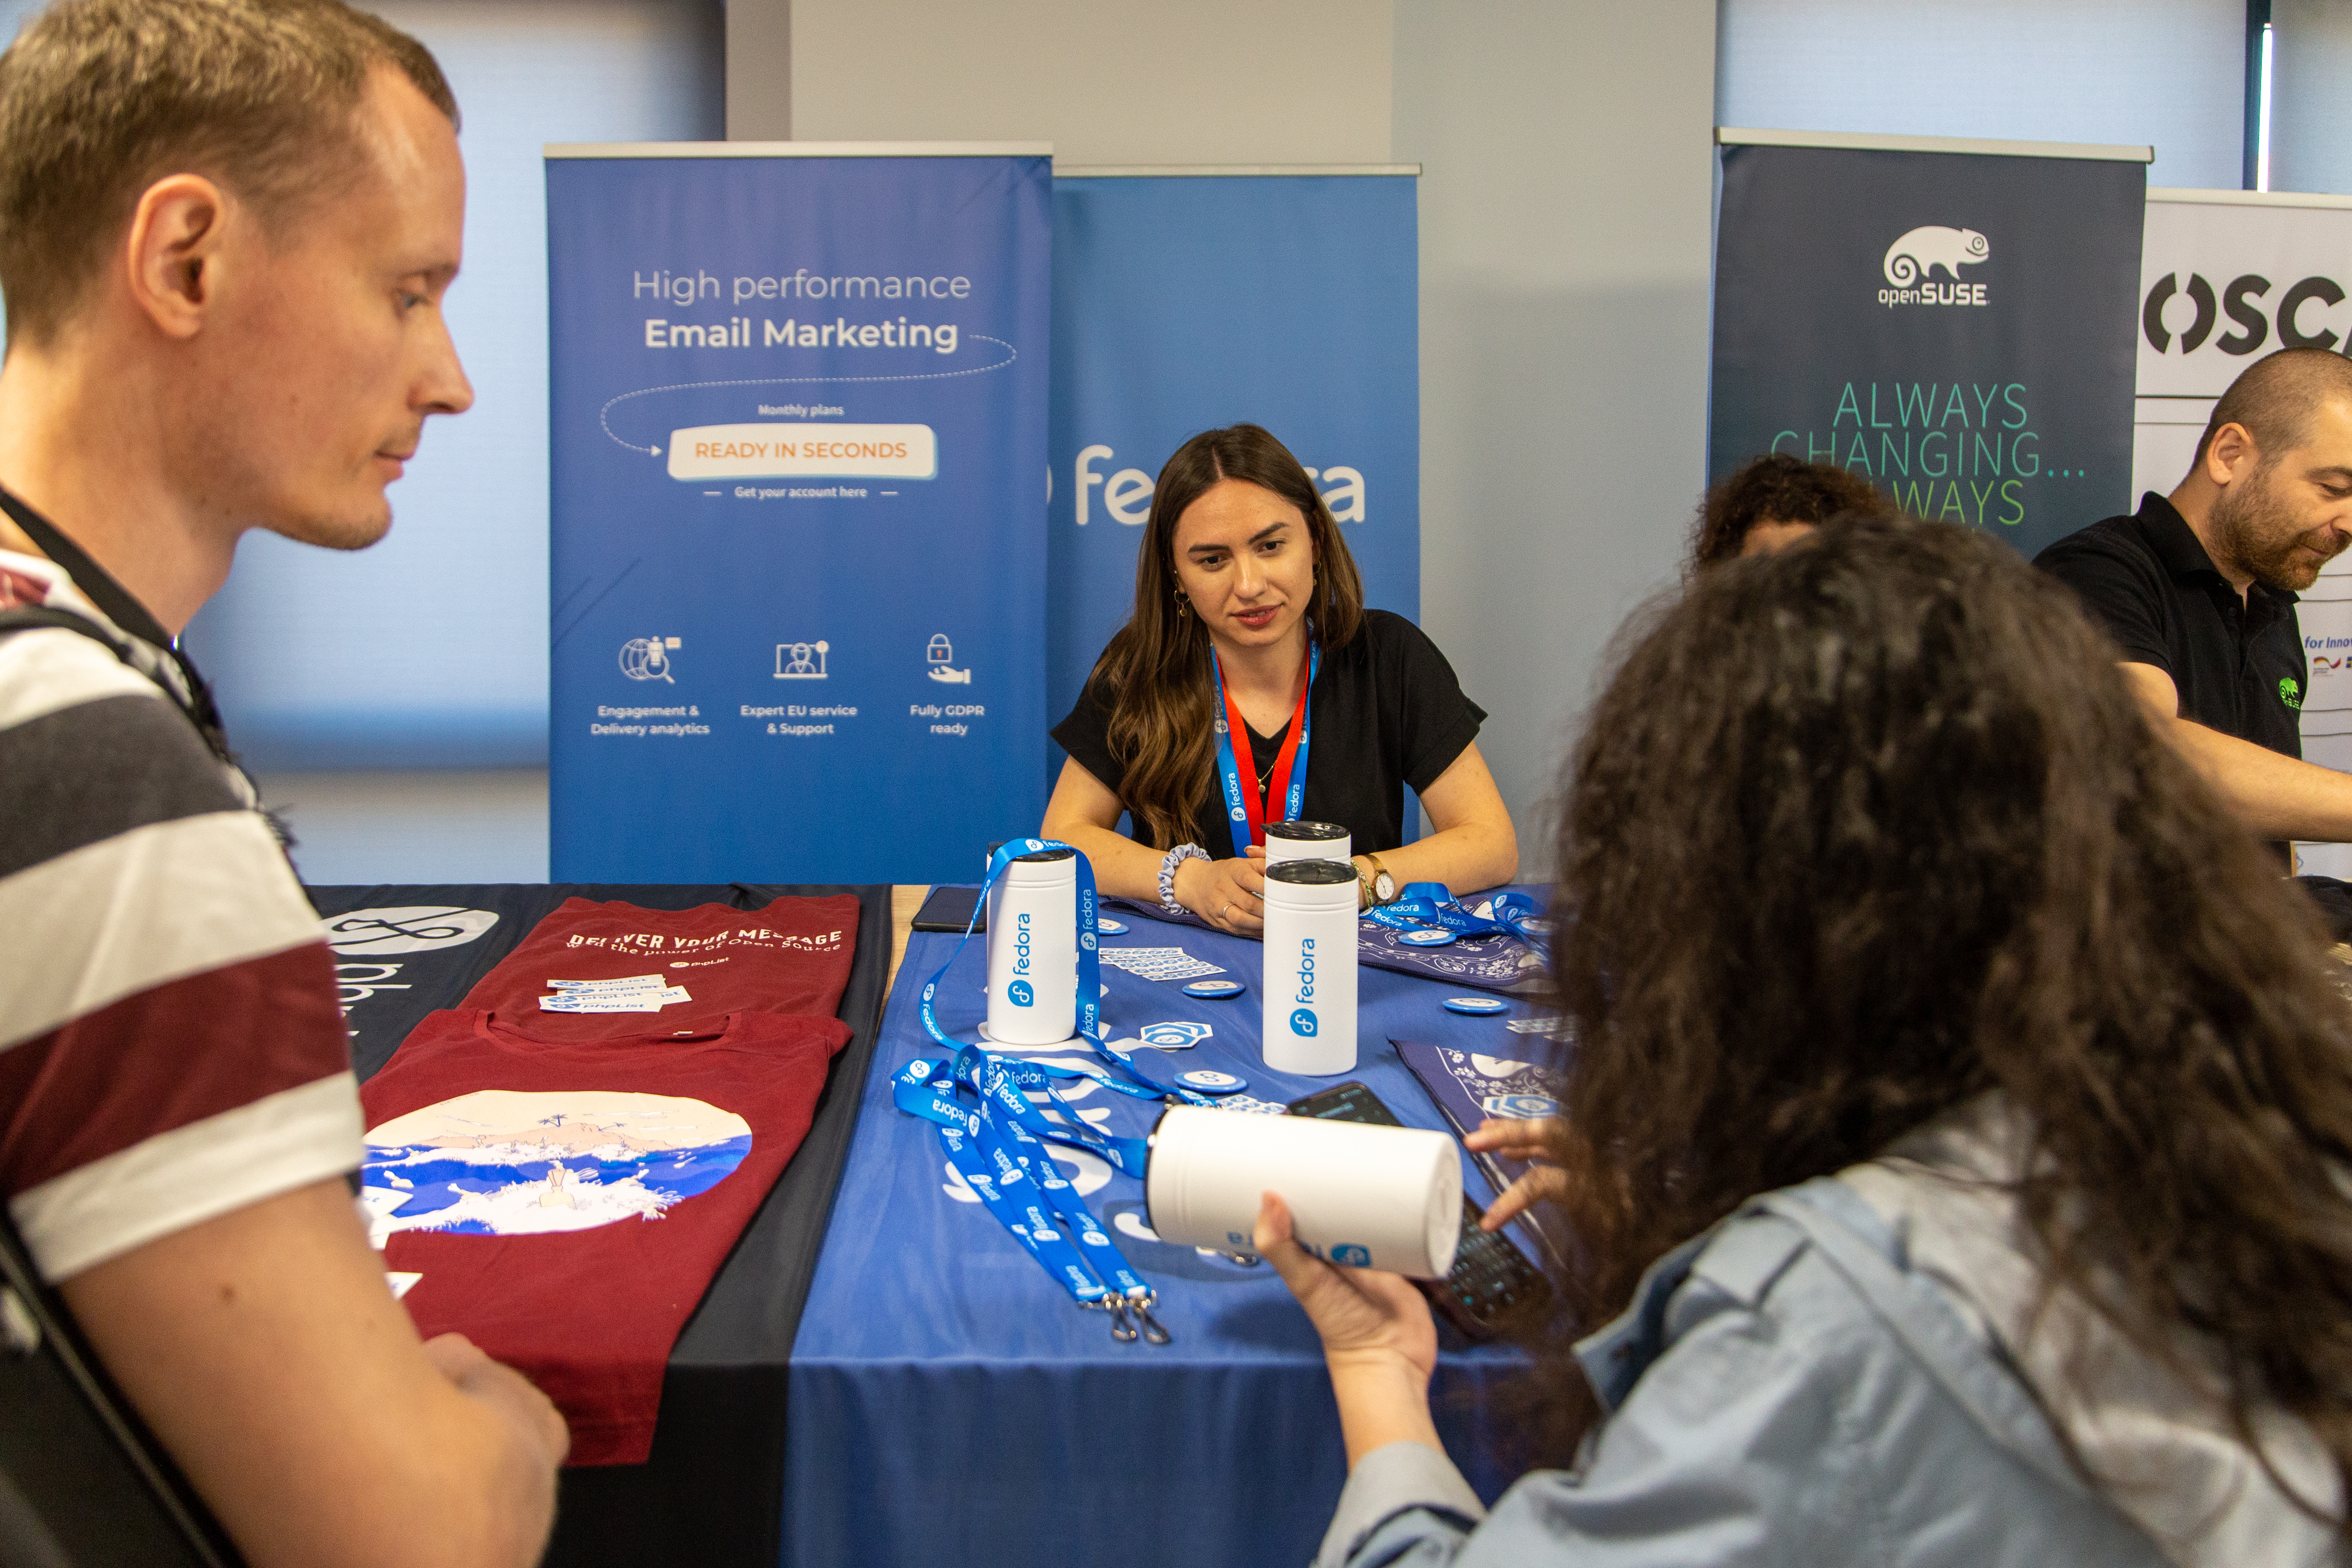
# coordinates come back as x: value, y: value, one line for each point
x: 1957, y: 1123
x: 1770, y: 503
x: 1251, y: 685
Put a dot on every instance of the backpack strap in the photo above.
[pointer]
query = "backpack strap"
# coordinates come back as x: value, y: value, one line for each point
x: 24, y: 617
x: 138, y: 657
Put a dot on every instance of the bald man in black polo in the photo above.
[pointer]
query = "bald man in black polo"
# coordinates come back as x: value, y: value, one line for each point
x: 2198, y: 589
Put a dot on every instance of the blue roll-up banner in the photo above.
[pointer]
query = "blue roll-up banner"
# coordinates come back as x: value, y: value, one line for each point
x: 798, y: 413
x: 1186, y: 302
x: 1956, y: 327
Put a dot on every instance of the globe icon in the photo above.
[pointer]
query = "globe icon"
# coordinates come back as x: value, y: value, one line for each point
x: 643, y: 659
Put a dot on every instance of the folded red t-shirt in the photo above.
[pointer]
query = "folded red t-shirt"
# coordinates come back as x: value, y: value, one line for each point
x: 564, y: 1206
x: 792, y: 957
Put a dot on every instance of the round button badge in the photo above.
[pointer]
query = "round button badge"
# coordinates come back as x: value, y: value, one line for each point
x: 1476, y: 1004
x: 1203, y: 1081
x: 1430, y: 936
x: 1109, y: 928
x: 1213, y: 990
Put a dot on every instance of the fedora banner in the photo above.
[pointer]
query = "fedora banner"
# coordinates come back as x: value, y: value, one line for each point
x: 1186, y: 302
x: 1952, y: 322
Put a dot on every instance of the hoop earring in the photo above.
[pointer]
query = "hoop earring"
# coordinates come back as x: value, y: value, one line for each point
x: 1183, y: 606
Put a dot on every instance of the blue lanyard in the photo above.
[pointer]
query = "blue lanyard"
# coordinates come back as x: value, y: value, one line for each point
x: 1017, y: 1182
x: 1293, y: 801
x: 928, y: 1089
x: 1424, y: 904
x: 1028, y: 1221
x: 1011, y: 1148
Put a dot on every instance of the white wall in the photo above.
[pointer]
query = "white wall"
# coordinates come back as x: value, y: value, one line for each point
x: 421, y: 824
x: 1107, y: 82
x: 1565, y: 244
x: 758, y: 71
x: 2311, y: 96
x: 2166, y: 73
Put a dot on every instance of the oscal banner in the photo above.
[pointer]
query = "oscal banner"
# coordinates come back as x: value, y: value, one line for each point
x: 2227, y: 276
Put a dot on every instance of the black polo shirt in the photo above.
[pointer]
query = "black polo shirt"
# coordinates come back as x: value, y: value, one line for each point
x: 2238, y: 666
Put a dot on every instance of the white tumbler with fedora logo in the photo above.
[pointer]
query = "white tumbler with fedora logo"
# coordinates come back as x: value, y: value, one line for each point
x: 1299, y: 840
x: 1033, y: 950
x: 1309, y: 982
x: 1374, y: 1197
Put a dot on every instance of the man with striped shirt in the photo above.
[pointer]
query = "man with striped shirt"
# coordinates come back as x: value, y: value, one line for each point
x: 226, y: 227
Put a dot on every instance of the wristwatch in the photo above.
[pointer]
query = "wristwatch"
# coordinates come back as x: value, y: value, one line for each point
x: 1378, y: 884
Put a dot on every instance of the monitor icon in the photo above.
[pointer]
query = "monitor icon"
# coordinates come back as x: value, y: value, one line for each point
x: 802, y: 660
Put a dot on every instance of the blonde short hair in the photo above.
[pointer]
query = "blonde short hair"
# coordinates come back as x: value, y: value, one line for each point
x: 100, y: 99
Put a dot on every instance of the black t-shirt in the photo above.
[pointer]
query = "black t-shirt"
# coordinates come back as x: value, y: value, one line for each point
x: 1387, y: 711
x: 2239, y: 667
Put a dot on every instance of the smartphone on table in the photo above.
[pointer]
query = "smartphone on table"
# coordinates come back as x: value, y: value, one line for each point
x: 1492, y: 1285
x: 949, y: 910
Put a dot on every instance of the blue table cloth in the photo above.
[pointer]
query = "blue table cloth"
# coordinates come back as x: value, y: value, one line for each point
x: 950, y: 1405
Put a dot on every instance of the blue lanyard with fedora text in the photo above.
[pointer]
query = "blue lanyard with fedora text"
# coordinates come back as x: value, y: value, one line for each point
x: 1002, y: 1166
x: 1247, y: 825
x: 1422, y: 905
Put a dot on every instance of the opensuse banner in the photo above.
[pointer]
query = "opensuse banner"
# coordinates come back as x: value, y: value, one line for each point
x: 1186, y: 302
x: 798, y: 555
x: 1954, y: 327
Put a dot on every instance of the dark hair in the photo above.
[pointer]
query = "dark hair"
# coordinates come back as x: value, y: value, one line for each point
x: 1863, y: 831
x: 1778, y: 487
x: 100, y: 99
x: 1154, y: 676
x: 2273, y: 398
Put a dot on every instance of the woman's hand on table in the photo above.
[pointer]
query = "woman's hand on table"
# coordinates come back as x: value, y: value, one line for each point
x: 1540, y: 1182
x: 1228, y: 894
x: 1377, y: 1338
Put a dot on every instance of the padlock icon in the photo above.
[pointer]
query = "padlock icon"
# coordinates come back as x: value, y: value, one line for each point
x: 941, y: 650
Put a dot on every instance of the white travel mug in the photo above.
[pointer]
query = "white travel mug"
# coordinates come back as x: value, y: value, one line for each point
x: 1033, y: 950
x: 1309, y: 983
x: 1376, y: 1197
x: 1305, y: 841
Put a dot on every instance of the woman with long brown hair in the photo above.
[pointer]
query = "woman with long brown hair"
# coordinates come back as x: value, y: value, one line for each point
x: 1251, y: 685
x: 1956, y: 1125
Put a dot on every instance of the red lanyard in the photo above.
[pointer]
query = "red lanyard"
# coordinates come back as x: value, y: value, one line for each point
x: 1277, y: 786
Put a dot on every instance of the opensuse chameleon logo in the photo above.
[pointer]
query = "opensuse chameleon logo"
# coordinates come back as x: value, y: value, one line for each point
x: 1912, y: 261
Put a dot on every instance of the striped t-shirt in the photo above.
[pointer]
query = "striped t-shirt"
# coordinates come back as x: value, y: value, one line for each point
x: 171, y: 1047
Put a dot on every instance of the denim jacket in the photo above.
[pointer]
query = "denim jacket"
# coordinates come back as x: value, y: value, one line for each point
x: 1783, y: 1390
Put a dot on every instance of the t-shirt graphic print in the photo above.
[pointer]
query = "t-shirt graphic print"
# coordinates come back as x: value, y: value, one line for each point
x: 501, y: 1163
